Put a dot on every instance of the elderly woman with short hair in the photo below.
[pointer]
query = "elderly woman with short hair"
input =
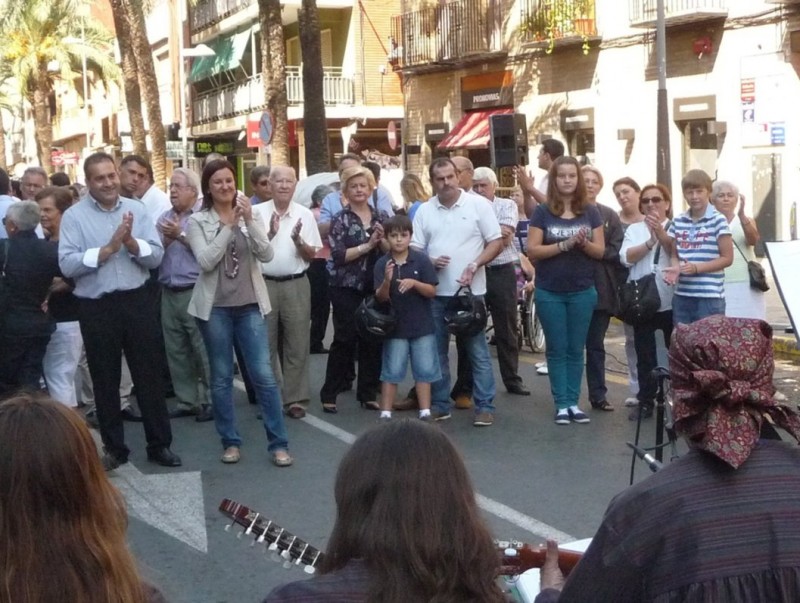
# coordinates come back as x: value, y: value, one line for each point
x: 741, y: 300
x: 29, y: 264
x: 356, y: 240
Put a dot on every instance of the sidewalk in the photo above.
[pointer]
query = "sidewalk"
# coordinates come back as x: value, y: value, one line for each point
x: 783, y: 342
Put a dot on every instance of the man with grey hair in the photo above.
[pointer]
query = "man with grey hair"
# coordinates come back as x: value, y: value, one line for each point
x: 186, y: 352
x: 501, y: 282
x: 30, y: 264
x: 464, y: 171
x: 294, y: 237
x: 259, y: 180
x: 33, y: 180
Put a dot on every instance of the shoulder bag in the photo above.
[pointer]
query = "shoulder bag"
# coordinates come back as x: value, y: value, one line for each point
x: 758, y: 277
x: 639, y: 299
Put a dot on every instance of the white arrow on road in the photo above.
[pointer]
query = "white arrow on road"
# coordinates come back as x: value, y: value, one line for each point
x: 172, y: 503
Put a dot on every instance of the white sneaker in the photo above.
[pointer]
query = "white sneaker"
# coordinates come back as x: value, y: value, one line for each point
x: 540, y: 364
x: 542, y: 370
x: 631, y: 402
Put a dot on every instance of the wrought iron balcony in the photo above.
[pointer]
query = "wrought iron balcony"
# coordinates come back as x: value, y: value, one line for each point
x: 206, y: 13
x: 248, y: 96
x: 643, y: 12
x: 450, y: 33
x: 553, y: 21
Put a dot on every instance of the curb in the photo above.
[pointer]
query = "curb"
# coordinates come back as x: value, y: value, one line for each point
x: 785, y: 345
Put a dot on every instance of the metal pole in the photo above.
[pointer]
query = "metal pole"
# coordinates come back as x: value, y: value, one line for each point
x: 85, y: 89
x: 182, y: 87
x: 663, y: 166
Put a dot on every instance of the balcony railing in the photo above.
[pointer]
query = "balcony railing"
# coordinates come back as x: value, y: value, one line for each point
x: 208, y: 12
x: 445, y: 33
x: 248, y: 96
x: 643, y: 12
x: 553, y: 20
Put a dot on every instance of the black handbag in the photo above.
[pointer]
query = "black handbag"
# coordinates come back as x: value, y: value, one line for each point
x: 639, y: 299
x: 758, y: 277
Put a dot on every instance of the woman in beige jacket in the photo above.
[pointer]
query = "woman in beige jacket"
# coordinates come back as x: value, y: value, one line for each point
x: 230, y: 302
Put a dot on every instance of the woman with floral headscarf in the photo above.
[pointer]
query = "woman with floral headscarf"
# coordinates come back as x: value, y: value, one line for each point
x: 722, y: 523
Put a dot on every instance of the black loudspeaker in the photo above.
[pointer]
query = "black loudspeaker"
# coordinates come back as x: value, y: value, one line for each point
x: 508, y: 140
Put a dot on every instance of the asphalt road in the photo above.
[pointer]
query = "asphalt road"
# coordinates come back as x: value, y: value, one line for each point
x: 534, y: 478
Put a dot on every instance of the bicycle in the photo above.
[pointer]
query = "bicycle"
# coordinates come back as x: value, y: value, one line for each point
x: 529, y: 328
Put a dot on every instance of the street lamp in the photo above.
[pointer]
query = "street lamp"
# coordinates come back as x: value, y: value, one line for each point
x: 201, y: 50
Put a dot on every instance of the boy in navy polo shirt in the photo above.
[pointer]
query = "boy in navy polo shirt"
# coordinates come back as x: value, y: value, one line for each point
x: 406, y: 277
x: 701, y: 250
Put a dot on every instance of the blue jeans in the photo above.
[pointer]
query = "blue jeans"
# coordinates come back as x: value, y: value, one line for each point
x: 424, y: 359
x: 565, y: 319
x: 245, y: 326
x: 477, y: 349
x: 686, y: 310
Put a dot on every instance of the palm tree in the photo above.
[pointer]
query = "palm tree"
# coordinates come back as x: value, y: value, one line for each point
x: 315, y: 127
x: 43, y: 41
x: 130, y: 78
x: 134, y: 10
x: 273, y: 53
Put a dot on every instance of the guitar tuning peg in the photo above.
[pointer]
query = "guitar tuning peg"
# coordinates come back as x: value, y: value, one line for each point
x: 310, y: 570
x: 286, y: 554
x: 273, y: 546
x: 287, y: 565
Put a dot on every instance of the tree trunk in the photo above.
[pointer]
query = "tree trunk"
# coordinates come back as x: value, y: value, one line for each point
x: 39, y: 100
x: 3, y: 164
x: 130, y: 78
x: 314, y: 124
x: 149, y: 86
x: 273, y: 54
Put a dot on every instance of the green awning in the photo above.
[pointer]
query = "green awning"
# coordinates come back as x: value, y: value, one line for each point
x: 228, y: 50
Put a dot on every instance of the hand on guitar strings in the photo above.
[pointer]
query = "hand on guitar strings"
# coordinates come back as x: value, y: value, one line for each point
x: 551, y: 575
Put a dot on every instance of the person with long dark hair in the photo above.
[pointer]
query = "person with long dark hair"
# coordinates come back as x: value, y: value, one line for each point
x: 408, y: 529
x: 566, y: 235
x: 62, y: 523
x: 230, y: 302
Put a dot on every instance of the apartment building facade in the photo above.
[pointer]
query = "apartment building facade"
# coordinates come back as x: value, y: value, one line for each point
x: 584, y: 72
x: 362, y: 93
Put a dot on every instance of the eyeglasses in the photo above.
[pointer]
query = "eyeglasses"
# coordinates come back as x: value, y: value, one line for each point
x: 646, y: 200
x: 178, y: 186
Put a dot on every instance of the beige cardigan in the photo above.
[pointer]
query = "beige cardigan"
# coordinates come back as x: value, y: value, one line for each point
x: 209, y: 242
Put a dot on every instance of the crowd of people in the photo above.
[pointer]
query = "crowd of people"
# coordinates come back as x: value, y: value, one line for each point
x: 178, y: 286
x: 161, y: 292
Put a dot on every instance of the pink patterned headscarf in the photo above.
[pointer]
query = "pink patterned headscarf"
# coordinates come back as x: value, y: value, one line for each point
x: 721, y: 371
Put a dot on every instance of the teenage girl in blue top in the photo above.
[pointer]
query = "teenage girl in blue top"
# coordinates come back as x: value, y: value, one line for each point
x: 565, y: 237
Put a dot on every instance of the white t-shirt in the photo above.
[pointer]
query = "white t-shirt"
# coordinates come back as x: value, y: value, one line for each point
x: 636, y: 234
x: 287, y: 259
x: 156, y: 202
x: 460, y: 232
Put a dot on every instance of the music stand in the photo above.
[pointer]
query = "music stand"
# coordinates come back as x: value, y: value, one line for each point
x: 664, y: 424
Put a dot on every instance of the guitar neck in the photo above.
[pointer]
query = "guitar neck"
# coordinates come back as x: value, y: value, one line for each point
x: 293, y: 550
x: 518, y: 557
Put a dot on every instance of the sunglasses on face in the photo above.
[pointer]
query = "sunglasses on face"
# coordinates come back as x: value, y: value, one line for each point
x: 646, y: 200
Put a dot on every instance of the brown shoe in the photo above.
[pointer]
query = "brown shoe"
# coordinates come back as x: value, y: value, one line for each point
x: 295, y: 411
x: 407, y: 404
x: 483, y: 419
x: 463, y: 402
x: 281, y: 458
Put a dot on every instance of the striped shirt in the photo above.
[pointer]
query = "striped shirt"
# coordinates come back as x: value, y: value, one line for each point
x: 507, y: 215
x: 698, y: 241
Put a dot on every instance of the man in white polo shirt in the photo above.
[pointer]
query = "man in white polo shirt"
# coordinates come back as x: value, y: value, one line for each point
x: 293, y: 233
x: 460, y: 233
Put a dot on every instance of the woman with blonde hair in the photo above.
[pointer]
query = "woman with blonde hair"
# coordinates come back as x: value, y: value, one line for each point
x: 414, y: 194
x: 62, y: 523
x: 357, y: 241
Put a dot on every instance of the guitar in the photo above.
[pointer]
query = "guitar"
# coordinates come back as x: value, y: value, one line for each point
x: 518, y: 557
x: 515, y: 557
x: 285, y: 545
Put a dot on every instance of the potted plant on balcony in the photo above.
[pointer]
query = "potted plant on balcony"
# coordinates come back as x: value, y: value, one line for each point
x: 551, y: 20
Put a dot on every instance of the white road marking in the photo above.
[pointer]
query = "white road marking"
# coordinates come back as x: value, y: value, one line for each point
x: 496, y: 508
x: 172, y: 503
